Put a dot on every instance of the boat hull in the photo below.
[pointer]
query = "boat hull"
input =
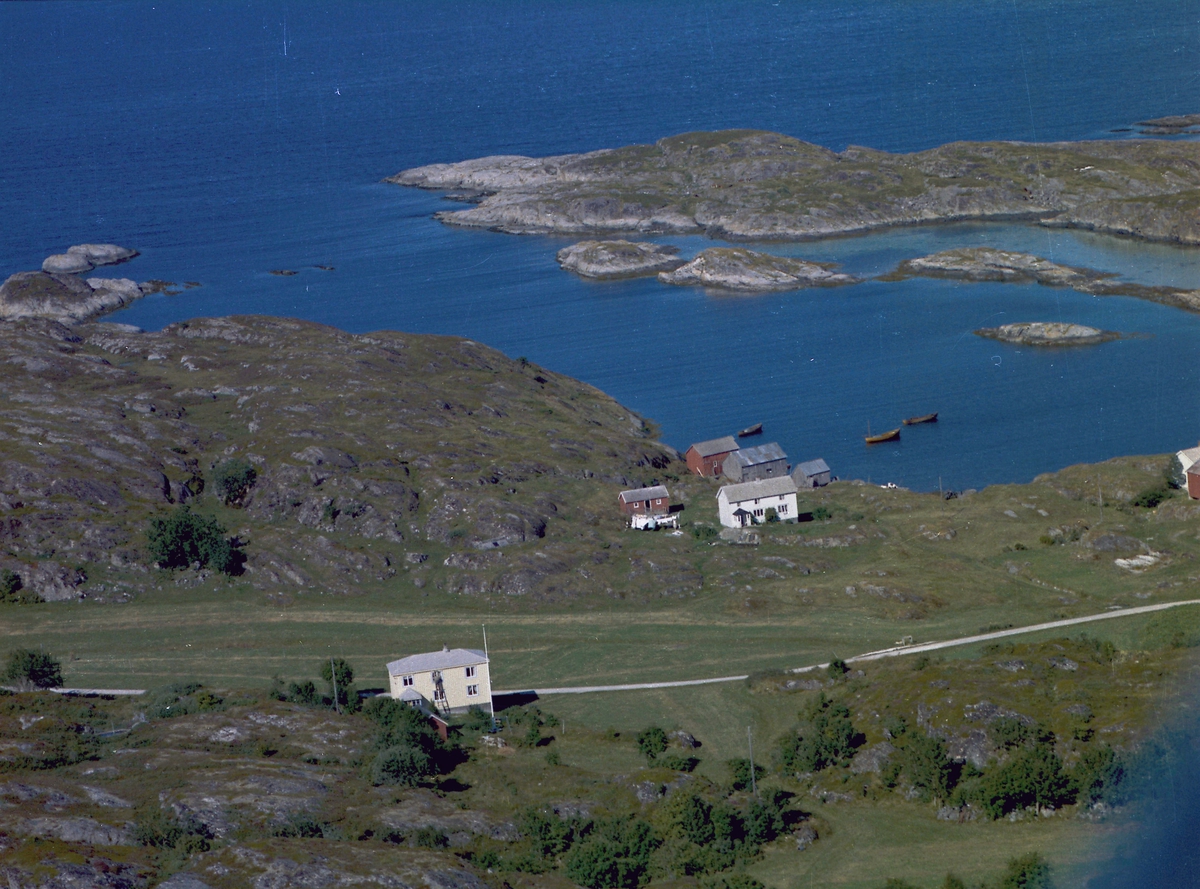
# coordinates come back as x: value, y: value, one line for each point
x: 927, y: 418
x: 756, y: 429
x: 891, y: 435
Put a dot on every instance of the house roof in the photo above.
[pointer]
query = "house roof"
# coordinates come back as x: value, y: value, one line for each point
x: 410, y: 694
x: 812, y: 467
x: 715, y: 446
x: 1189, y: 457
x: 760, y: 454
x: 766, y: 487
x: 655, y: 493
x: 1194, y: 469
x: 446, y: 659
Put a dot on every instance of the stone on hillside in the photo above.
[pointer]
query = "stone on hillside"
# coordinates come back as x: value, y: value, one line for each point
x: 75, y: 830
x: 319, y: 456
x: 871, y: 759
x: 618, y: 259
x: 184, y: 881
x: 66, y: 264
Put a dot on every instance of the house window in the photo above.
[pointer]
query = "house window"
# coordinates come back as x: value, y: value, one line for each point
x: 756, y: 501
x: 758, y: 512
x: 439, y: 693
x: 406, y: 681
x: 470, y: 672
x: 782, y: 510
x: 472, y: 691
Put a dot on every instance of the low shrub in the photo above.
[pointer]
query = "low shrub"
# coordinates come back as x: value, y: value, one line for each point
x: 233, y: 480
x: 651, y: 742
x: 12, y: 590
x: 28, y: 667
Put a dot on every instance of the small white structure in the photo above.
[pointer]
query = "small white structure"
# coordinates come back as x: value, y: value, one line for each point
x: 747, y: 503
x: 653, y: 522
x: 452, y: 680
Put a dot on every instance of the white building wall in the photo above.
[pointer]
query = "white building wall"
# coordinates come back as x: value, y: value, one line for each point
x: 456, y: 683
x: 784, y: 504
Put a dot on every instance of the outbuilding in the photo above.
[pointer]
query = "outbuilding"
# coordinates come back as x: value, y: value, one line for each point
x: 452, y: 680
x: 1188, y: 458
x: 707, y: 457
x: 751, y: 464
x: 1193, y: 481
x: 747, y: 503
x: 652, y: 501
x: 813, y: 474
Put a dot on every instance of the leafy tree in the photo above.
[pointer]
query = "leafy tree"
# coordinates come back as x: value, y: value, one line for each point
x: 184, y: 538
x: 826, y: 738
x: 28, y: 666
x: 741, y: 771
x: 303, y: 693
x: 12, y: 589
x: 771, y: 515
x: 923, y: 759
x: 1173, y: 474
x: 549, y: 835
x: 340, y: 677
x: 1034, y: 777
x: 764, y: 820
x: 1026, y: 872
x: 615, y: 855
x: 1008, y: 732
x: 402, y: 765
x: 651, y: 742
x: 234, y: 479
x: 1099, y: 775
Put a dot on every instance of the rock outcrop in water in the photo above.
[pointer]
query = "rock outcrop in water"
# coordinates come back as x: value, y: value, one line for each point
x: 1048, y: 333
x: 59, y: 293
x: 618, y: 259
x: 749, y: 184
x: 990, y: 264
x: 736, y: 268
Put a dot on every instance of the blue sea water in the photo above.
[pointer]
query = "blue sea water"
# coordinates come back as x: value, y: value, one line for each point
x: 229, y: 139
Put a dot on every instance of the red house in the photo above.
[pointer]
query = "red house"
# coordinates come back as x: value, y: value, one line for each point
x: 1193, y: 482
x: 645, y: 501
x: 705, y: 457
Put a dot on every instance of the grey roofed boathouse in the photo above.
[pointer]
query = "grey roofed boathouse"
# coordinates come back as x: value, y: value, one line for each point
x: 811, y: 474
x: 751, y: 464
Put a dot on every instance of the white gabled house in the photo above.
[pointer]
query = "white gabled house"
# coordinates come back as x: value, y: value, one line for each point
x: 747, y: 503
x: 452, y: 680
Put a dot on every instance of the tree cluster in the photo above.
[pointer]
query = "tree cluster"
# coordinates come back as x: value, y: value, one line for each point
x: 183, y: 538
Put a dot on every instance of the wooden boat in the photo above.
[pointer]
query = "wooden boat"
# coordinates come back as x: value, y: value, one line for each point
x: 756, y: 429
x: 892, y: 435
x: 926, y: 418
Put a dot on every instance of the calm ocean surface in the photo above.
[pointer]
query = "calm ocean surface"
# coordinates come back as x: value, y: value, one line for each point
x: 227, y: 140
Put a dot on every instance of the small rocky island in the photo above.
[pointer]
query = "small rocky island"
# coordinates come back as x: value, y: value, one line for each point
x: 751, y: 184
x: 58, y: 291
x: 1048, y: 333
x: 736, y: 268
x: 990, y: 264
x: 618, y: 259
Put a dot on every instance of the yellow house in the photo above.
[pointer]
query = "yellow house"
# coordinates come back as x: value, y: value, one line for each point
x: 452, y: 680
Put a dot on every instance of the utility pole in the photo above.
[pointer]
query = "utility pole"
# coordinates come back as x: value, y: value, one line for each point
x: 488, y: 667
x: 753, y: 780
x: 333, y: 677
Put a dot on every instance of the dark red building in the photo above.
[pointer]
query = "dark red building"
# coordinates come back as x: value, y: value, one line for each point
x: 706, y: 457
x: 645, y: 501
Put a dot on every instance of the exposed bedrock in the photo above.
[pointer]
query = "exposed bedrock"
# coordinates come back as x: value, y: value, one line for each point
x: 1048, y: 333
x: 736, y: 268
x: 618, y: 259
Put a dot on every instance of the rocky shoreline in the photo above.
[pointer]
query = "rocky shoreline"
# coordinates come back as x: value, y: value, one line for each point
x: 618, y: 259
x: 990, y: 264
x: 1048, y: 333
x: 736, y: 268
x: 755, y: 185
x: 59, y: 293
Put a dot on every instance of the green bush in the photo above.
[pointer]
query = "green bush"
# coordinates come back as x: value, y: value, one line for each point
x: 184, y: 538
x: 431, y: 838
x: 923, y: 759
x: 651, y: 742
x: 302, y: 825
x: 160, y: 830
x: 837, y: 668
x: 771, y: 515
x: 12, y: 590
x: 1026, y: 872
x: 1034, y: 777
x: 234, y: 479
x: 403, y: 765
x: 741, y: 773
x: 303, y: 693
x: 28, y: 666
x: 614, y: 855
x: 704, y: 532
x: 679, y: 763
x: 1152, y: 496
x: 177, y: 699
x: 826, y: 737
x: 821, y: 514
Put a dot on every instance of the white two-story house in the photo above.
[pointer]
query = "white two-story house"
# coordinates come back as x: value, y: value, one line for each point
x: 452, y: 680
x: 747, y: 503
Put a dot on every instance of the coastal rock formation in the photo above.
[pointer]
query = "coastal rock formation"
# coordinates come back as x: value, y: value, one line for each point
x: 1048, y: 333
x: 750, y: 184
x: 736, y: 268
x: 57, y: 291
x: 990, y: 264
x: 618, y: 259
x: 1172, y: 125
x: 64, y: 298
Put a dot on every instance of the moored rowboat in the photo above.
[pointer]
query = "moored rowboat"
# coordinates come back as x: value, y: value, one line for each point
x: 925, y: 418
x: 756, y: 429
x: 892, y: 435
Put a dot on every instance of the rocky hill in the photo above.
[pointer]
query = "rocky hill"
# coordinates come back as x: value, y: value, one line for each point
x: 749, y: 184
x: 367, y: 449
